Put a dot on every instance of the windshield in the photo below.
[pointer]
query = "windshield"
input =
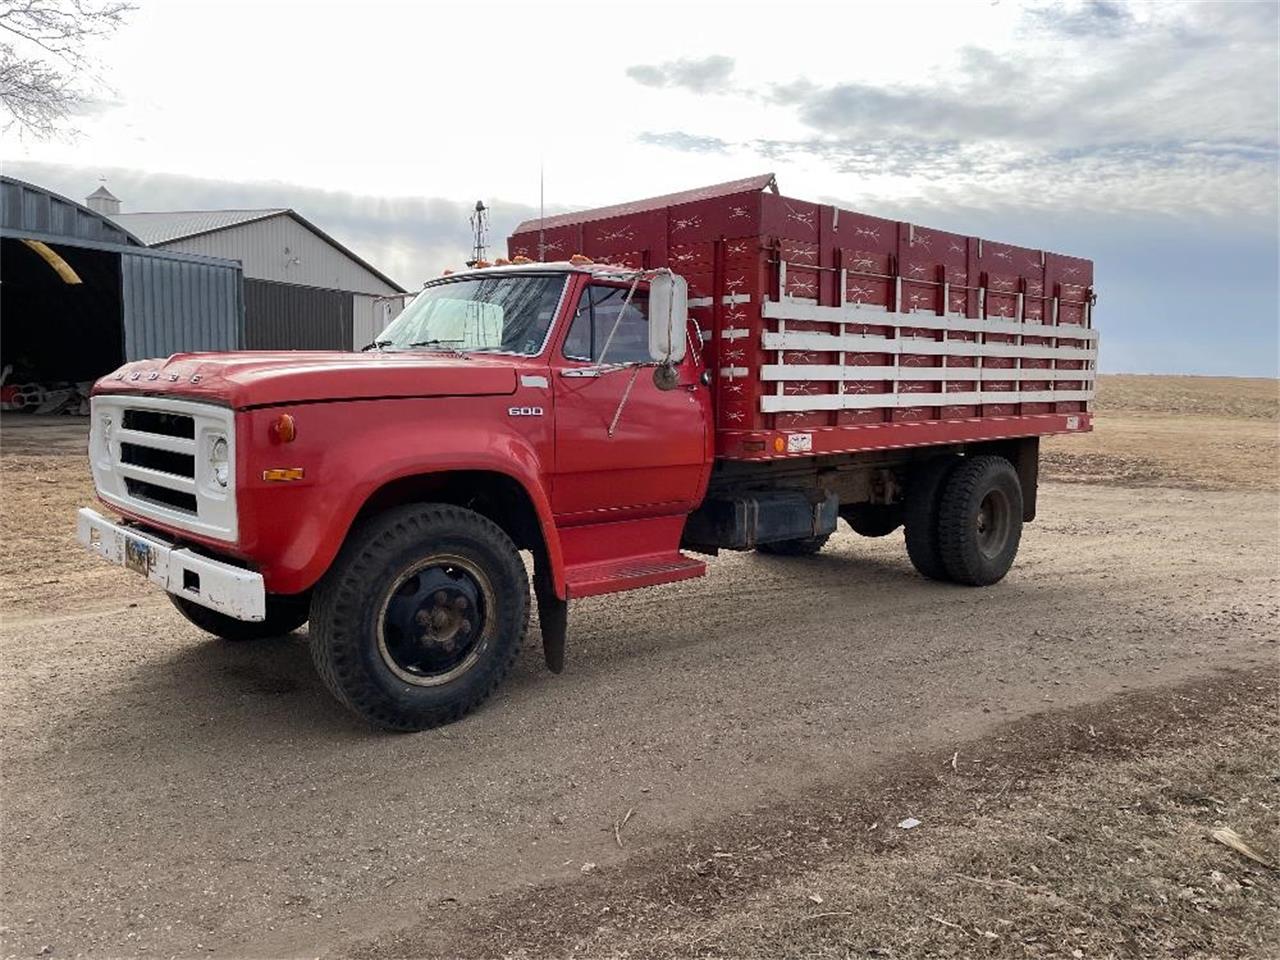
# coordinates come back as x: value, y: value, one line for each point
x: 508, y: 314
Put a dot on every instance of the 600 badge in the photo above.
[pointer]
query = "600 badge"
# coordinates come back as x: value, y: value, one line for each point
x: 524, y: 411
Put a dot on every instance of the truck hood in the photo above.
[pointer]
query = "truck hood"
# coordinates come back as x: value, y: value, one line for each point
x: 267, y: 378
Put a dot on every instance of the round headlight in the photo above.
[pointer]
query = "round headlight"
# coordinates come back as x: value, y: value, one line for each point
x: 220, y: 461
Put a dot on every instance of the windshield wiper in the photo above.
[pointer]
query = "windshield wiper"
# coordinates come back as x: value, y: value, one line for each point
x: 376, y: 345
x: 432, y: 343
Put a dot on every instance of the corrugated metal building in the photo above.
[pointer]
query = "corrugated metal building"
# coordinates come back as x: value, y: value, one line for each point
x: 80, y: 294
x: 302, y: 289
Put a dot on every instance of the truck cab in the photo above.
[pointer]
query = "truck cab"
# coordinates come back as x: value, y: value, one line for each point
x: 557, y: 408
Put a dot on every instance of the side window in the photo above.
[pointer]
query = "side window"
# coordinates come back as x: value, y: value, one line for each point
x: 598, y: 310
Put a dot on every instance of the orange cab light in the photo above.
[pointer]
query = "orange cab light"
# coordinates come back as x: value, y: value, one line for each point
x: 445, y: 272
x: 578, y: 260
x: 283, y: 474
x: 284, y: 429
x: 501, y: 262
x: 521, y: 260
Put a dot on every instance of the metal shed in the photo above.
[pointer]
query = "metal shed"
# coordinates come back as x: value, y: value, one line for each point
x: 80, y: 294
x: 303, y: 288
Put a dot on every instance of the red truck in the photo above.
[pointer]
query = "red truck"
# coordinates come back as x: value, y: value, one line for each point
x: 637, y: 386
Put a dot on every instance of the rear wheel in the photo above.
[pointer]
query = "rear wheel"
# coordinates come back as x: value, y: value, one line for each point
x: 284, y: 615
x: 920, y: 515
x: 421, y: 616
x: 802, y: 547
x: 980, y: 520
x: 872, y: 519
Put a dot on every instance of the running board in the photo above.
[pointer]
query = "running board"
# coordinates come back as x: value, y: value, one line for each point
x: 631, y: 573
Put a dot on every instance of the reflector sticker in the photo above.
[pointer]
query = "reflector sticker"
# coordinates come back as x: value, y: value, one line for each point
x: 799, y: 442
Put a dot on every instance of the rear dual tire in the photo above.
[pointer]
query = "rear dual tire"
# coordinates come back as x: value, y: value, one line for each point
x: 964, y: 519
x: 980, y: 521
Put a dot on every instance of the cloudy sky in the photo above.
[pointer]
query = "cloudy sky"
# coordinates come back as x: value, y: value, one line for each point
x: 1141, y: 135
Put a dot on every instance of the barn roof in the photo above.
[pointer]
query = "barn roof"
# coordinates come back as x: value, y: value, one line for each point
x: 157, y: 229
x: 27, y: 208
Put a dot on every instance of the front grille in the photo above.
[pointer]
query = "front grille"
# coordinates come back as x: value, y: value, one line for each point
x: 150, y: 458
x: 156, y: 421
x: 166, y: 461
x: 163, y: 496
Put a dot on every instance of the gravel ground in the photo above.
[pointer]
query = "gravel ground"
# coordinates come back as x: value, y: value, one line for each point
x: 164, y: 794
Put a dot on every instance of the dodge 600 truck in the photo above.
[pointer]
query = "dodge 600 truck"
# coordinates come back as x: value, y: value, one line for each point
x: 636, y: 387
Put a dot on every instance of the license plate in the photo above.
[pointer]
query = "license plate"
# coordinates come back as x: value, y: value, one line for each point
x: 139, y: 556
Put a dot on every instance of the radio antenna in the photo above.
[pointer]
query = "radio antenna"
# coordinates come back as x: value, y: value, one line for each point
x: 542, y: 213
x: 479, y: 230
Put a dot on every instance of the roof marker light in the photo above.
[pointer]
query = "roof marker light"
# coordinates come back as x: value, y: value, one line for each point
x: 579, y: 260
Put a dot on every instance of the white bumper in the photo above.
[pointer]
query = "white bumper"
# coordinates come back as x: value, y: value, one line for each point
x: 223, y: 587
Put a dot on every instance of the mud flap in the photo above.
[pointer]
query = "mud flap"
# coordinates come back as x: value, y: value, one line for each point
x: 553, y: 617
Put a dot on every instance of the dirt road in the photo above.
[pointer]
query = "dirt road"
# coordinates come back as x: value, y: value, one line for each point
x: 167, y: 794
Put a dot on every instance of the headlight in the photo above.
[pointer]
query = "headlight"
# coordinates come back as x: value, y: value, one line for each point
x: 220, y: 461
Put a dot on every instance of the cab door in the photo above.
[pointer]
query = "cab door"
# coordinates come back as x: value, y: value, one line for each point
x: 623, y: 447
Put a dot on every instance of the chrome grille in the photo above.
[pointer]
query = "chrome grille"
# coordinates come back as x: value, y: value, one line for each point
x: 150, y: 457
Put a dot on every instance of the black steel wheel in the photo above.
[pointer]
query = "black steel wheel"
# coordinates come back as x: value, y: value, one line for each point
x: 920, y: 515
x: 435, y: 620
x: 980, y: 520
x: 421, y: 616
x: 284, y: 615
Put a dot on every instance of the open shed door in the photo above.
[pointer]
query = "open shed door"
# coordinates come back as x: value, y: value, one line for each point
x: 177, y: 304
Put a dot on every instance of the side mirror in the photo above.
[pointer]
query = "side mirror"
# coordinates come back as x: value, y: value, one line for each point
x: 668, y: 317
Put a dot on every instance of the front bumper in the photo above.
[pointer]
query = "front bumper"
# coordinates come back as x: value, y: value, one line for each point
x: 228, y: 589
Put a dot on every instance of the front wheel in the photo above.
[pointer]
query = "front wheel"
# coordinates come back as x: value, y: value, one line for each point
x: 284, y: 615
x: 420, y: 617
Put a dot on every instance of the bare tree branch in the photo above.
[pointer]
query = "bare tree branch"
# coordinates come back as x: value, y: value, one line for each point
x: 42, y: 52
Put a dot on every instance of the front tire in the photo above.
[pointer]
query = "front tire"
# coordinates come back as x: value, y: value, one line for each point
x: 802, y: 547
x: 420, y: 617
x: 284, y: 615
x: 980, y: 520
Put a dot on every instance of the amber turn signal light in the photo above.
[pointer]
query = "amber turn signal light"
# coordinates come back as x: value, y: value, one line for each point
x: 283, y: 474
x: 779, y: 444
x: 283, y: 429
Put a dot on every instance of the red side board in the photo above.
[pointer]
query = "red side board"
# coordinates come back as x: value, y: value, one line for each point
x: 756, y: 263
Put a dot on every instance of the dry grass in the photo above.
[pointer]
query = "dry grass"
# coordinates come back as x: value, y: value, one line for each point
x: 1206, y: 433
x: 1125, y: 868
x: 1015, y: 855
x: 1231, y: 398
